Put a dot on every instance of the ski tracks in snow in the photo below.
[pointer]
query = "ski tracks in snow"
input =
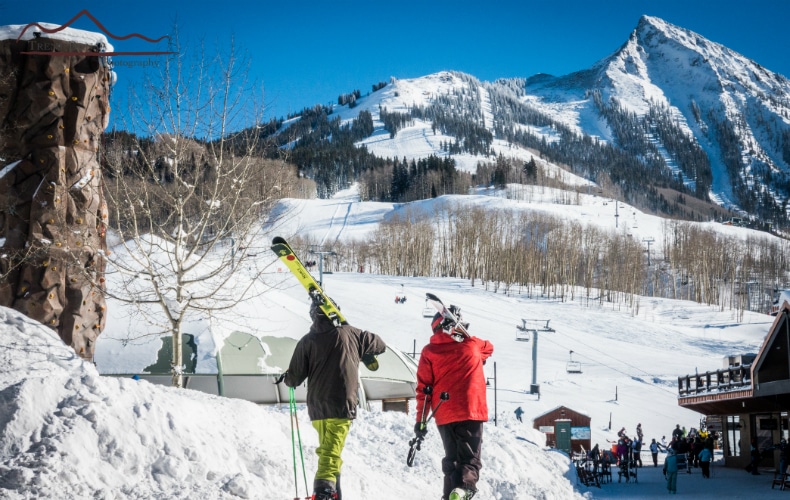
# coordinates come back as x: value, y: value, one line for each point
x: 338, y: 222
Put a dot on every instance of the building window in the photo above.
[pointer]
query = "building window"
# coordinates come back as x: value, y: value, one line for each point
x: 733, y: 436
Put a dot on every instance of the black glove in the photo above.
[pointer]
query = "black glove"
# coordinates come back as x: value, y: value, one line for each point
x: 370, y: 362
x: 420, y: 429
x: 280, y: 379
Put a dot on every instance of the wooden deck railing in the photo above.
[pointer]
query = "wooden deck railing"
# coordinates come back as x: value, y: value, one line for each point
x: 727, y: 379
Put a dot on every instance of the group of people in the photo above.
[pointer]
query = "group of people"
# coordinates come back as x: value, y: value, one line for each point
x: 626, y: 452
x: 630, y: 449
x: 694, y: 449
x: 756, y: 455
x: 328, y: 357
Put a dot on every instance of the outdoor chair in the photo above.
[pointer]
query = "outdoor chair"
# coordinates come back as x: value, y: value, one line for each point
x: 782, y: 479
x: 606, y: 472
x: 587, y: 477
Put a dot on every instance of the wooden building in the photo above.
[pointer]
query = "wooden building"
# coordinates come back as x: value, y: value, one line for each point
x: 565, y: 429
x: 748, y: 398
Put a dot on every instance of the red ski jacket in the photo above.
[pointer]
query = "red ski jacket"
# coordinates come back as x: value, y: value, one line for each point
x: 455, y: 368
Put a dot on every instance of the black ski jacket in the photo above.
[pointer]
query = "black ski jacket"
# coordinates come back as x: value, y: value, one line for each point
x: 328, y: 357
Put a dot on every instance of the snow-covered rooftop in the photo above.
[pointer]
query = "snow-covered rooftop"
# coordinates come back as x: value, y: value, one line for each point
x: 13, y: 31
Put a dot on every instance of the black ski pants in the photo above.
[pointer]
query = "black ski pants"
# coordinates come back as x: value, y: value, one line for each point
x: 461, y: 464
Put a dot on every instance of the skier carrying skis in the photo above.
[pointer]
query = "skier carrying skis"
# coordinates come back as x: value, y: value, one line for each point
x: 453, y: 363
x: 328, y: 357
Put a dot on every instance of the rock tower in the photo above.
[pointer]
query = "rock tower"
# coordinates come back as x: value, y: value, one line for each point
x: 54, y: 107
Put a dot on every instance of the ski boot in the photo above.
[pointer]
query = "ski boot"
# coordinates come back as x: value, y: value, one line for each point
x: 324, y: 494
x: 324, y: 490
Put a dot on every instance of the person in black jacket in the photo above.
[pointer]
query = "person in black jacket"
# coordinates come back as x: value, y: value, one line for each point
x: 328, y: 358
x: 677, y: 433
x: 754, y: 450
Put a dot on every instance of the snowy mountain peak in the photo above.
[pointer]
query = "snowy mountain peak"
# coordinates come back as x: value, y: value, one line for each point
x: 690, y: 114
x: 729, y: 107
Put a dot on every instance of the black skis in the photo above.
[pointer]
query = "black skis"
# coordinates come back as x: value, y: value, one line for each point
x: 447, y: 314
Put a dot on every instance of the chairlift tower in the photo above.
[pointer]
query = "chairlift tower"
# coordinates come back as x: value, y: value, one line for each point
x: 537, y: 325
x: 321, y: 254
x: 534, y: 388
x: 648, y: 241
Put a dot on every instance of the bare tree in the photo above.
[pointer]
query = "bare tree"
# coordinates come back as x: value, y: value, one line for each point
x: 188, y: 192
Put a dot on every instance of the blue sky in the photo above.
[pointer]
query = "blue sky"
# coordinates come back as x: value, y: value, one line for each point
x: 308, y: 52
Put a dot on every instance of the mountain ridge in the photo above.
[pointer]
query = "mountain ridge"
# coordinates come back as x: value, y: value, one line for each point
x: 679, y: 110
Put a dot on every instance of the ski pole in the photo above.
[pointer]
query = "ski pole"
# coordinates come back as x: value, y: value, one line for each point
x: 295, y: 419
x: 443, y: 397
x: 428, y: 391
x: 416, y: 442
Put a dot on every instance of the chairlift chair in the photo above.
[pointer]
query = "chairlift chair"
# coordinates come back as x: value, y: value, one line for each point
x: 523, y: 331
x: 573, y: 366
x: 428, y: 311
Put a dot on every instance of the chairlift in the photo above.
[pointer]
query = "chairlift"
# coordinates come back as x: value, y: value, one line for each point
x: 573, y: 366
x: 428, y: 311
x: 400, y: 297
x: 523, y: 331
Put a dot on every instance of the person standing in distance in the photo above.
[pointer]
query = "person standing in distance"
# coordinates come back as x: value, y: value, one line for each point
x: 328, y: 358
x: 671, y: 471
x: 654, y: 452
x: 453, y: 363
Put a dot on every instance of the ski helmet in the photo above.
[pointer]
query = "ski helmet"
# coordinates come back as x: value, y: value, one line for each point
x: 445, y: 325
x: 436, y: 323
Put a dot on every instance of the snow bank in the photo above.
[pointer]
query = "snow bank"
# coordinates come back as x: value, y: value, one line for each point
x: 67, y: 432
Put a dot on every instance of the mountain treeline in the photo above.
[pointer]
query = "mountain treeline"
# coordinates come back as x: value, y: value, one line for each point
x: 653, y: 162
x: 633, y: 169
x: 324, y: 150
x: 544, y: 255
x: 155, y: 166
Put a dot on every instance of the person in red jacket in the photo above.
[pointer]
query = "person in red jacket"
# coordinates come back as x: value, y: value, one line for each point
x: 453, y: 363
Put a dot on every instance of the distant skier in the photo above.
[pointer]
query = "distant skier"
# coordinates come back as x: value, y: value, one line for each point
x: 518, y: 413
x: 636, y: 447
x: 595, y: 456
x: 328, y: 357
x: 454, y: 364
x: 654, y: 452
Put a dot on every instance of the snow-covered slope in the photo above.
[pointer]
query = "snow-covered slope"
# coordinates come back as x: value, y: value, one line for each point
x: 67, y: 432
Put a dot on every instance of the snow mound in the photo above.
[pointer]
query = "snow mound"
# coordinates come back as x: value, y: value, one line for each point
x: 67, y: 432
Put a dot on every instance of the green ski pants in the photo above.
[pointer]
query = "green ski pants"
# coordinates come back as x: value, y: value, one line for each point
x: 332, y: 434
